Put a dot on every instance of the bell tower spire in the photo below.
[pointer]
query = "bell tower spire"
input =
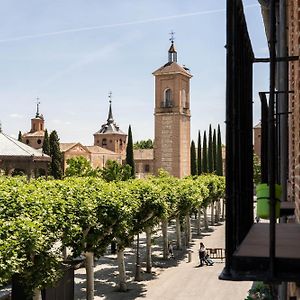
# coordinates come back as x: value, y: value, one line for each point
x: 172, y: 53
x: 110, y: 136
x: 110, y: 118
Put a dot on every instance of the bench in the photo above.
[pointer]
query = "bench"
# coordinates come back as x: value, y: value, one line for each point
x: 216, y: 253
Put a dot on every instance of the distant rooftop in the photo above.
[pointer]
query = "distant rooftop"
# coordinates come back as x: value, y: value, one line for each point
x: 12, y: 147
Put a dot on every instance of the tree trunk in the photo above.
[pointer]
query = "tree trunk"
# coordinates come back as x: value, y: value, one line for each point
x: 164, y: 229
x: 188, y: 229
x: 212, y: 217
x: 122, y: 271
x: 65, y: 253
x: 218, y: 211
x: 223, y: 209
x: 178, y: 234
x: 89, y: 266
x: 205, y: 218
x: 148, y: 250
x: 199, y: 221
x: 37, y: 295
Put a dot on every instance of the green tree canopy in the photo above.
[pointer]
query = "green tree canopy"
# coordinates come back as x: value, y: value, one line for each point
x: 219, y: 154
x: 79, y: 166
x: 199, y: 158
x: 129, y: 153
x: 113, y: 171
x: 56, y: 155
x: 46, y: 143
x: 214, y: 150
x: 143, y: 144
x: 210, y: 151
x: 20, y: 136
x: 193, y: 159
x: 256, y: 169
x: 204, y: 151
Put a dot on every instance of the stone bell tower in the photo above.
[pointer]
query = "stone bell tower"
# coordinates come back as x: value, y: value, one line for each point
x: 35, y: 137
x: 172, y: 116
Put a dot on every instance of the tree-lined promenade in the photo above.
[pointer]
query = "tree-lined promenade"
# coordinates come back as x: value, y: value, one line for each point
x: 40, y: 219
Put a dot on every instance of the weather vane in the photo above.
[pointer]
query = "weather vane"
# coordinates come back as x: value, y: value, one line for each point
x: 37, y: 106
x: 109, y: 96
x: 172, y: 38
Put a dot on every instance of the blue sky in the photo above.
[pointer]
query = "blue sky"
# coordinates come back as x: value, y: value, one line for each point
x: 71, y: 53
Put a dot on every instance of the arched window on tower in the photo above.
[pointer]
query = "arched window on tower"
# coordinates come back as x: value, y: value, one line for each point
x: 167, y: 98
x: 183, y: 99
x: 104, y: 142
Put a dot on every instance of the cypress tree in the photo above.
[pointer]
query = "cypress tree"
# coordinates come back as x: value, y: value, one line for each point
x: 219, y: 154
x: 46, y: 144
x: 199, y: 159
x: 210, y: 151
x: 204, y: 153
x: 193, y: 159
x: 214, y: 148
x: 20, y: 136
x: 56, y: 155
x: 129, y: 153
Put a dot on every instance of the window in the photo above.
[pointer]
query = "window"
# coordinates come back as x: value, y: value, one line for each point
x: 27, y: 142
x: 104, y: 142
x: 39, y: 141
x: 167, y: 98
x: 147, y: 168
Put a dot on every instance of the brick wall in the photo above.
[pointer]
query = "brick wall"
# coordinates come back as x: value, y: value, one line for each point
x: 293, y: 10
x: 294, y: 103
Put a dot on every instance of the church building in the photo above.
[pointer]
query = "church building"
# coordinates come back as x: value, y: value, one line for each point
x: 171, y: 150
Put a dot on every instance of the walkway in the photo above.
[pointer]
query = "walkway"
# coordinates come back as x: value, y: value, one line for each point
x: 173, y: 279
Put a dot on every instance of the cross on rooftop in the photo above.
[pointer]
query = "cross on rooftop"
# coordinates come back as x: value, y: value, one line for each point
x: 172, y: 38
x: 37, y: 106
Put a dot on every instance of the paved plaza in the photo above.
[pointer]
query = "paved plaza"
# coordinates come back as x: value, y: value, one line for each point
x: 172, y: 279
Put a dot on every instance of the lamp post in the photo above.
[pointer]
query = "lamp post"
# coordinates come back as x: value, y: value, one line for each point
x: 137, y: 265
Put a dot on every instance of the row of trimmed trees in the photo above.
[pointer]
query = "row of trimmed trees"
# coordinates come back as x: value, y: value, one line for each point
x: 208, y: 157
x: 41, y: 218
